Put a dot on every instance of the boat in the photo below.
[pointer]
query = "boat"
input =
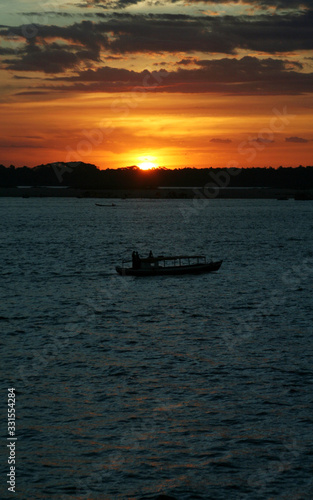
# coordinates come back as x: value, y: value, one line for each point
x: 169, y: 265
x: 105, y: 205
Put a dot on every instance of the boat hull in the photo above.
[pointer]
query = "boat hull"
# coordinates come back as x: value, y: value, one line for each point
x: 170, y: 270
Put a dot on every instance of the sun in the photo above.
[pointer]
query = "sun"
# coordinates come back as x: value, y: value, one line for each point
x: 147, y: 162
x: 147, y: 165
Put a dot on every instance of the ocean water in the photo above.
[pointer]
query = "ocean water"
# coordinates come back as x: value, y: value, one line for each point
x: 197, y: 387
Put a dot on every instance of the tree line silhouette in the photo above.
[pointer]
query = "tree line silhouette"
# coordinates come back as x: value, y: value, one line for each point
x: 87, y: 176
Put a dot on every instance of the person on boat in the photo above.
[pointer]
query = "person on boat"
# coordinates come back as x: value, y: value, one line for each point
x: 136, y: 260
x: 150, y: 255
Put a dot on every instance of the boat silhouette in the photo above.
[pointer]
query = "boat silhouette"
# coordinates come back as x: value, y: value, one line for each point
x: 167, y: 265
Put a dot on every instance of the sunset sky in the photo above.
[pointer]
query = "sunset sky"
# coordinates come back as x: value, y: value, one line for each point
x: 175, y: 83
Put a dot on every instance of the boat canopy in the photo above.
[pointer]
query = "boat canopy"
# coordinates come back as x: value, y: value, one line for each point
x: 172, y: 257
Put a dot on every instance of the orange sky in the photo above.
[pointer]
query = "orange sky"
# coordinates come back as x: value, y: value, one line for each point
x: 66, y: 97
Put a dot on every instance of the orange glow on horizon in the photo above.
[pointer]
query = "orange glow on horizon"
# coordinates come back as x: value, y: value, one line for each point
x: 147, y: 165
x: 214, y: 132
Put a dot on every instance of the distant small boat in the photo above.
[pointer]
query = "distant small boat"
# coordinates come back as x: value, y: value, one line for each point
x: 105, y: 205
x: 172, y: 265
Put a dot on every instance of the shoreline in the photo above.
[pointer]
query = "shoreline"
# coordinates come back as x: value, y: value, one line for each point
x: 163, y: 193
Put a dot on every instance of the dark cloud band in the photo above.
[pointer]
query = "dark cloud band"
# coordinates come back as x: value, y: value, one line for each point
x: 272, y: 34
x: 279, y: 4
x: 246, y: 76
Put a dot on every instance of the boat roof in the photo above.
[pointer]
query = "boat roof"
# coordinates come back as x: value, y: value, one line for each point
x: 173, y: 257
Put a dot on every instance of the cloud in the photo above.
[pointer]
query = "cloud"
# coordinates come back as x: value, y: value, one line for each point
x: 31, y: 92
x: 45, y: 13
x: 111, y: 4
x: 5, y: 51
x: 220, y: 141
x: 223, y: 34
x: 53, y: 58
x: 172, y: 33
x: 245, y: 76
x: 21, y: 145
x: 279, y: 4
x: 86, y: 33
x: 299, y: 140
x: 167, y: 34
x: 186, y: 61
x: 260, y: 140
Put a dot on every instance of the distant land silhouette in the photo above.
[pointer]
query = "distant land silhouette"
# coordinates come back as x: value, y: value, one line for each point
x: 83, y: 176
